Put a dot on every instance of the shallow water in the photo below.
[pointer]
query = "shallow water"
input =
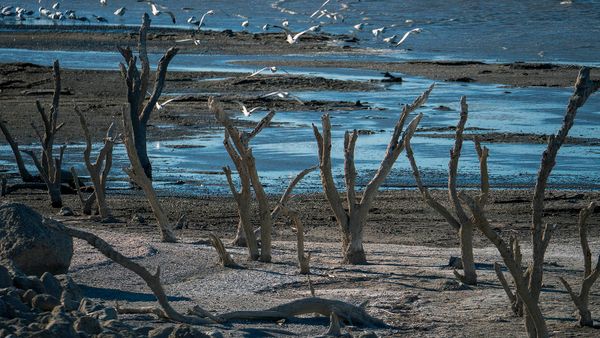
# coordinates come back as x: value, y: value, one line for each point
x: 506, y: 31
x: 511, y: 30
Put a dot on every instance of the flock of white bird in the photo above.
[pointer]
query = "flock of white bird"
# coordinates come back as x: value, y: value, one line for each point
x: 324, y: 15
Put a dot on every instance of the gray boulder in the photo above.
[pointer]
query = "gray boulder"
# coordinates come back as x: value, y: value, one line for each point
x: 29, y: 244
x: 51, y: 284
x: 5, y: 278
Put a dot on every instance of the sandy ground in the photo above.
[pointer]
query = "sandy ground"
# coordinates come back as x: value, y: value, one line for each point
x: 408, y: 245
x: 406, y: 282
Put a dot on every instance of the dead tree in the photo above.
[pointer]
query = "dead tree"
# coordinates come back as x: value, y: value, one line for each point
x: 137, y: 174
x: 14, y: 146
x: 101, y: 167
x: 352, y: 222
x: 47, y: 165
x: 582, y: 300
x: 137, y: 87
x: 236, y: 143
x: 459, y: 221
x: 529, y: 283
x: 87, y: 203
x: 283, y: 208
x: 224, y: 257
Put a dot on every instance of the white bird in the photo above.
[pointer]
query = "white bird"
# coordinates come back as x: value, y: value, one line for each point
x: 407, y: 34
x: 245, y: 23
x: 378, y: 31
x: 157, y: 12
x: 56, y: 5
x: 103, y: 2
x: 197, y: 42
x: 291, y: 39
x: 120, y: 11
x: 160, y: 106
x: 201, y: 22
x: 44, y: 12
x: 245, y: 110
x: 360, y: 26
x: 273, y: 69
x: 285, y: 23
x: 320, y: 8
x: 283, y: 95
x: 390, y: 39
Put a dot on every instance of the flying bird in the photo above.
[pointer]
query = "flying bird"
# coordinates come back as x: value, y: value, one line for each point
x: 273, y: 69
x: 157, y: 12
x: 160, y: 106
x: 245, y: 23
x: 378, y: 31
x: 103, y: 2
x: 283, y: 95
x: 201, y: 22
x: 245, y: 110
x: 120, y: 11
x: 292, y: 39
x: 407, y: 34
x: 320, y: 8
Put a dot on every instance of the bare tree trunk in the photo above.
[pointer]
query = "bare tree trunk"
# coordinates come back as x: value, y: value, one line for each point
x: 23, y: 172
x: 100, y: 169
x: 582, y: 300
x: 459, y: 221
x: 224, y: 258
x: 236, y: 143
x: 86, y: 203
x: 137, y: 174
x: 352, y: 222
x: 137, y: 87
x: 49, y: 167
x: 529, y: 284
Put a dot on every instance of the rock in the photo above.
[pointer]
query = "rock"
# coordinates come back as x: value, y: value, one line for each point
x: 161, y: 332
x: 142, y: 331
x: 105, y: 314
x: 138, y: 219
x: 369, y: 334
x: 88, y: 306
x: 108, y: 334
x: 186, y: 331
x: 71, y: 295
x: 59, y: 328
x: 30, y: 282
x: 44, y: 302
x: 51, y: 284
x: 5, y: 278
x: 14, y: 304
x: 3, y: 310
x: 215, y: 334
x: 68, y: 301
x: 88, y: 325
x: 117, y: 326
x: 66, y: 211
x: 455, y: 262
x: 452, y: 285
x: 28, y: 296
x: 30, y: 244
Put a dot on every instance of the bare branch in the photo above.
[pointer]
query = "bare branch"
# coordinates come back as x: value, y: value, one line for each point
x: 288, y: 192
x: 349, y: 168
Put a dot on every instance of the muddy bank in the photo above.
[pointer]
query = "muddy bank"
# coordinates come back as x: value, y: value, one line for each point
x: 527, y: 138
x: 512, y: 74
x: 101, y: 96
x: 102, y: 38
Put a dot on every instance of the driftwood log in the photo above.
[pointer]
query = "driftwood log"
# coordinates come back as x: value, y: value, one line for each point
x: 459, y: 221
x: 351, y: 314
x: 352, y: 222
x: 138, y: 85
